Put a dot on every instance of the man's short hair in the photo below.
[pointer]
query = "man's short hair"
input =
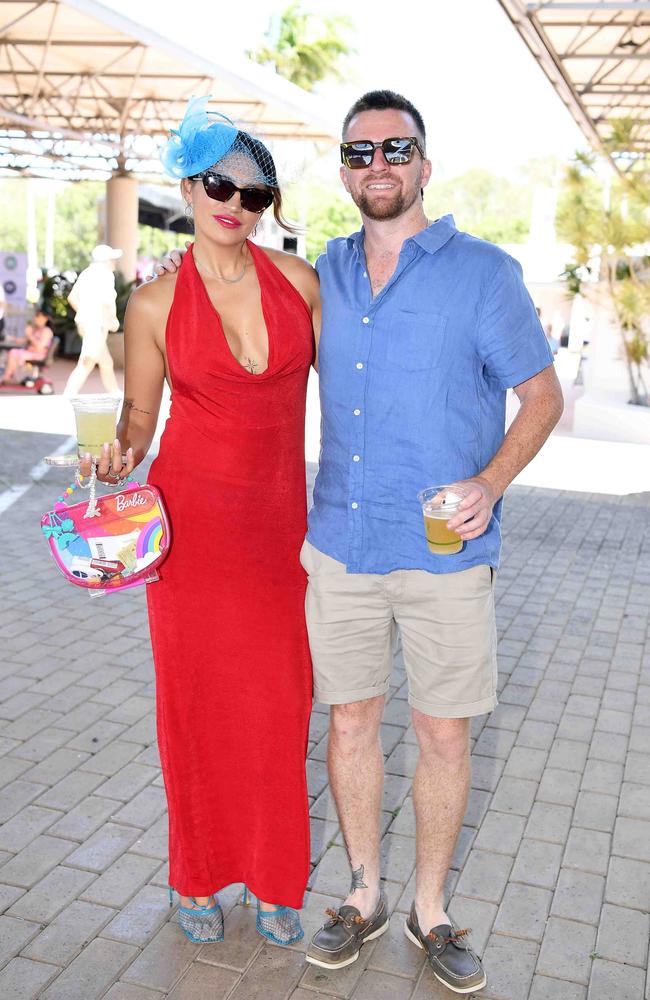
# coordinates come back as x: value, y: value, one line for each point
x: 384, y: 100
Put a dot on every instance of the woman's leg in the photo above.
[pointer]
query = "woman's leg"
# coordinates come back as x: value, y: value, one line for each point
x: 198, y: 900
x: 107, y: 372
x: 14, y: 361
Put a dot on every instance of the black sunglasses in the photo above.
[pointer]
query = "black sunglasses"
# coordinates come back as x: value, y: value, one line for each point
x: 221, y: 188
x: 361, y: 153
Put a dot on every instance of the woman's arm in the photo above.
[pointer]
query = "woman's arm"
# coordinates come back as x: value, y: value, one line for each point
x: 144, y: 376
x: 144, y: 372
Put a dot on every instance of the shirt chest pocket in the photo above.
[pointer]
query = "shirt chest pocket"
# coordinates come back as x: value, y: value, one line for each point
x: 415, y: 340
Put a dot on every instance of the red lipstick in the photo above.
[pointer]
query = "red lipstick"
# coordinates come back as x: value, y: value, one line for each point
x: 227, y: 221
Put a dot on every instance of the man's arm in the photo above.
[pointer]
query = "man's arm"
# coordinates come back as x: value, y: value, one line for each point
x: 541, y: 408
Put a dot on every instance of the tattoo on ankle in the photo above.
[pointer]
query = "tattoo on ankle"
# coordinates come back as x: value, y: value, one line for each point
x: 357, y: 879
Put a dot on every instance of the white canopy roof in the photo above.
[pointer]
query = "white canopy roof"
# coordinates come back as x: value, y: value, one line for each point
x: 83, y: 84
x: 596, y: 53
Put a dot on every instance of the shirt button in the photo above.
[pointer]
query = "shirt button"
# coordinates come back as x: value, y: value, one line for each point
x: 365, y: 319
x: 365, y: 274
x: 359, y: 364
x: 355, y: 505
x: 356, y: 458
x: 357, y: 412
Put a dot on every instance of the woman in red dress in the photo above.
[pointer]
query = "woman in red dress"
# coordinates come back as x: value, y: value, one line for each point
x: 232, y: 333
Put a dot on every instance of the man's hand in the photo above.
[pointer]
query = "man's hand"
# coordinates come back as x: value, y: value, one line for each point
x: 475, y: 510
x: 170, y: 263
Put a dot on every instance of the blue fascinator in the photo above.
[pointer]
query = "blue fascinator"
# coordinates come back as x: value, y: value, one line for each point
x: 203, y: 138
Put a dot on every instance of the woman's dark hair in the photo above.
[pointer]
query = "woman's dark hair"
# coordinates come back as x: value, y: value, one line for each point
x: 262, y: 157
x: 385, y: 100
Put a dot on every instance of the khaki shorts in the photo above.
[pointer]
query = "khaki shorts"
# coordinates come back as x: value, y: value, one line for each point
x: 446, y: 621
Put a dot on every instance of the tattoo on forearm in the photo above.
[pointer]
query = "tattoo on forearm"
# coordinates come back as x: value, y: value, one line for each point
x: 357, y: 879
x: 130, y: 405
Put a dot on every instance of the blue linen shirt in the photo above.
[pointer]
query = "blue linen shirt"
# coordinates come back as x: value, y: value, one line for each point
x: 413, y: 391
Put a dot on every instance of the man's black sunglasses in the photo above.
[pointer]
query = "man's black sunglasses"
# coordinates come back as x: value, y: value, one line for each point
x: 359, y: 154
x: 221, y: 188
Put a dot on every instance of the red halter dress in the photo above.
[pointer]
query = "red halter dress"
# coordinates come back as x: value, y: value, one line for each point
x: 233, y: 673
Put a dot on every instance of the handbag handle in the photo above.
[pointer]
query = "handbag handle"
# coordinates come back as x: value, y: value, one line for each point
x: 78, y: 483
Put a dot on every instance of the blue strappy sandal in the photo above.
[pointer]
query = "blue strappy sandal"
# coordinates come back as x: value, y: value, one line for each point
x: 280, y: 926
x: 201, y: 924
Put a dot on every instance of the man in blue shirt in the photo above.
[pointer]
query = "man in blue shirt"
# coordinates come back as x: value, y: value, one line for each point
x: 424, y: 330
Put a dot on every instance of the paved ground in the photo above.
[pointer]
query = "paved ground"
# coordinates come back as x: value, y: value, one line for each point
x: 552, y: 870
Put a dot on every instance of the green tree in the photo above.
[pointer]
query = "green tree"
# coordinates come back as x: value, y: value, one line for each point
x: 484, y: 204
x: 329, y: 214
x: 78, y: 213
x: 610, y: 223
x: 305, y: 48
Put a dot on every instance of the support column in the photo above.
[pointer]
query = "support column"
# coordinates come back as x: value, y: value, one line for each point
x: 122, y: 221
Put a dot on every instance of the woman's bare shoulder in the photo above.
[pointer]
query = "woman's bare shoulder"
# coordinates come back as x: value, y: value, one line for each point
x: 154, y: 296
x: 299, y: 271
x: 288, y: 262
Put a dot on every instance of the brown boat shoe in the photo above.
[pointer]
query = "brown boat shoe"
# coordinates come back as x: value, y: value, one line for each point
x: 337, y: 944
x: 451, y: 959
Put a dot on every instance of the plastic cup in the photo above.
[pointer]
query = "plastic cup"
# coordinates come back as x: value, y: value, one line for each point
x: 96, y: 418
x: 439, y: 503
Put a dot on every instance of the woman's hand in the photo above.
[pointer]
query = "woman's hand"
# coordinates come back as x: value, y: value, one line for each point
x: 112, y: 465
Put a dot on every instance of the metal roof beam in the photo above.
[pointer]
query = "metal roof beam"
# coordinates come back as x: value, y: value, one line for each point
x: 74, y: 43
x: 593, y: 24
x: 627, y: 5
x: 41, y: 69
x: 21, y: 17
x: 605, y: 56
x: 624, y: 90
x: 115, y: 75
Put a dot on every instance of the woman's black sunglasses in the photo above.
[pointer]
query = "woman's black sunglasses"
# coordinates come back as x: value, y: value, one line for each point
x: 359, y: 154
x: 221, y: 188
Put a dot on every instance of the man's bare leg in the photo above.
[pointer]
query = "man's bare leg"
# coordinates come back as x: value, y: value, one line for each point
x: 356, y: 772
x: 78, y: 376
x: 440, y: 790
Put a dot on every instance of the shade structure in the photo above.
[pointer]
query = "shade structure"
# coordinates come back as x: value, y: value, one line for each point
x: 596, y: 53
x: 90, y: 91
x: 162, y: 209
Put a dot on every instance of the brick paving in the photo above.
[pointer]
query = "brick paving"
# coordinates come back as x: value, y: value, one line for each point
x: 552, y: 868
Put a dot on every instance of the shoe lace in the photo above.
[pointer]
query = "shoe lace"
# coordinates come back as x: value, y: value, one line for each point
x: 454, y: 936
x: 346, y: 921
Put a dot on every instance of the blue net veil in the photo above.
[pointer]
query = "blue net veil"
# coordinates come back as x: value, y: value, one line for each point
x: 207, y: 139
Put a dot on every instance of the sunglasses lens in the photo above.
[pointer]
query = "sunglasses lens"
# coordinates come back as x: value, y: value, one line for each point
x: 398, y: 150
x: 218, y: 188
x: 358, y: 154
x: 221, y: 189
x: 255, y: 199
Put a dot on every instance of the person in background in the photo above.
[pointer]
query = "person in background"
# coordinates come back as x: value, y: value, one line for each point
x: 3, y: 306
x: 38, y: 337
x: 93, y: 299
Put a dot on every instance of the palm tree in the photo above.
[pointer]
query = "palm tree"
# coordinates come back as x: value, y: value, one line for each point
x: 305, y: 48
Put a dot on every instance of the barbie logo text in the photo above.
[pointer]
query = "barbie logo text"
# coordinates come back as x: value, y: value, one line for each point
x: 137, y: 500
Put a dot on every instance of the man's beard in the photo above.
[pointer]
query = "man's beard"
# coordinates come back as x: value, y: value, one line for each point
x: 386, y: 208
